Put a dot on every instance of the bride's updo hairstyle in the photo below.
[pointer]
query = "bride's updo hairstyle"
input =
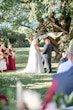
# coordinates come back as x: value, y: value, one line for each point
x: 32, y: 37
x: 36, y: 41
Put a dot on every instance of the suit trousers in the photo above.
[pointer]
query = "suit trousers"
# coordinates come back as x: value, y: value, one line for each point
x: 47, y: 62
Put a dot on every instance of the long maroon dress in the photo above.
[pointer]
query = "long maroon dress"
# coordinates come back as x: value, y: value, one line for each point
x: 11, y: 59
x: 6, y: 58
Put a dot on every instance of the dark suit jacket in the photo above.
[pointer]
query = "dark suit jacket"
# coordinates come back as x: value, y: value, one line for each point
x: 48, y: 48
x: 65, y: 81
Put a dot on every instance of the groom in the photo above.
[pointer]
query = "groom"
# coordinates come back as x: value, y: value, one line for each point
x: 48, y: 48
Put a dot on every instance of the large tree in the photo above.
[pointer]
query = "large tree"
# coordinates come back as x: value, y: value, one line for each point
x: 39, y: 16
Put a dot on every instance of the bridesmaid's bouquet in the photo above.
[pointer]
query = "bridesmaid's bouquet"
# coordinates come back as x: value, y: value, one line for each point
x: 13, y: 52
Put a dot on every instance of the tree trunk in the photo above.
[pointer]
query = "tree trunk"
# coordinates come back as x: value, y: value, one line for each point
x: 59, y: 25
x: 71, y: 34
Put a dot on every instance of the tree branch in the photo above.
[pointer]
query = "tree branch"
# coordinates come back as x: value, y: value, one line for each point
x: 56, y: 26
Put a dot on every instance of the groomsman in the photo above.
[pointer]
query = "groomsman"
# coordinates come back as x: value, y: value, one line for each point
x: 48, y: 48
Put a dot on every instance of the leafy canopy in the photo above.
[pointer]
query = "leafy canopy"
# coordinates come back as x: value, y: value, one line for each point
x: 16, y: 14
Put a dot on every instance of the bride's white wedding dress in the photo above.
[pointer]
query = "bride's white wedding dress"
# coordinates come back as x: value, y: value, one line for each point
x: 34, y: 64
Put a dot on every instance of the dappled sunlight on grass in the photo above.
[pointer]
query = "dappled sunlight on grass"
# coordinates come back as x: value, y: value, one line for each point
x: 54, y: 65
x: 22, y: 49
x: 22, y: 65
x: 38, y: 85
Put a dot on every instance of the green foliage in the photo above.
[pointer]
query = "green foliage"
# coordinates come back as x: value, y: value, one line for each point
x: 17, y: 11
x: 15, y: 14
x: 71, y: 42
x: 70, y: 100
x: 64, y: 43
x: 16, y: 38
x: 1, y: 103
x: 6, y: 42
x: 63, y: 99
x: 59, y: 99
x: 21, y: 41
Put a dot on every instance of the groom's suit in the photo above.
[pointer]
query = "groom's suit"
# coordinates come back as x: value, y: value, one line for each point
x: 47, y: 56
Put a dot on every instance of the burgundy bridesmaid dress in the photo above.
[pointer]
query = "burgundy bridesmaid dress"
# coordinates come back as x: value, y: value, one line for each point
x: 11, y: 59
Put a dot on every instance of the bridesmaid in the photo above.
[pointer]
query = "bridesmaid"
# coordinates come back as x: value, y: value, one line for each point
x: 5, y: 53
x: 2, y: 62
x: 11, y: 58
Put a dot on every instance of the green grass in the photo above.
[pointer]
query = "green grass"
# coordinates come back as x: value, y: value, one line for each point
x: 38, y: 82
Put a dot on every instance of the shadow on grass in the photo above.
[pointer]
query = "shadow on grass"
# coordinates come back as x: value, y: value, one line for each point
x: 54, y: 70
x: 8, y: 83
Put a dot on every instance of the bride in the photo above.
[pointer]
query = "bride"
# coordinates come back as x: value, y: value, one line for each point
x: 34, y: 64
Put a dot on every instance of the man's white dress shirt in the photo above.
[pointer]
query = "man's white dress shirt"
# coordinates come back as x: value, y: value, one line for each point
x: 64, y: 66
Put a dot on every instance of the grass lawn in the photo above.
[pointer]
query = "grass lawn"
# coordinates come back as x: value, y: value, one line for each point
x: 38, y: 82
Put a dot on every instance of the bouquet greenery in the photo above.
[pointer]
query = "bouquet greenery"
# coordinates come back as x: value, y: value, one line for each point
x: 63, y: 100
